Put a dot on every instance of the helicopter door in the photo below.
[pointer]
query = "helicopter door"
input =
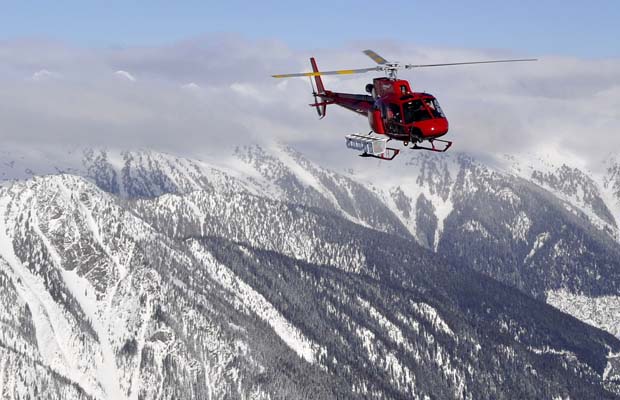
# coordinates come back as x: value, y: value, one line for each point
x: 394, y: 114
x: 416, y: 111
x: 393, y: 117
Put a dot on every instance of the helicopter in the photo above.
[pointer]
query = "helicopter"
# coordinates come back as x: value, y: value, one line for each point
x: 394, y: 111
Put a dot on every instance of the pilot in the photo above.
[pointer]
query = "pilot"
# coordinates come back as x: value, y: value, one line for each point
x: 393, y: 114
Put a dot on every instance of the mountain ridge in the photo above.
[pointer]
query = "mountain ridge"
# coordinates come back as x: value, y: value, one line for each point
x: 130, y: 267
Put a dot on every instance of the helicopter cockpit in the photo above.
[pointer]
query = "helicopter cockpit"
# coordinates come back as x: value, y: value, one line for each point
x: 421, y: 110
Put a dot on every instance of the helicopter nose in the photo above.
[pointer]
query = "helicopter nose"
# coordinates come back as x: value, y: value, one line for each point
x: 439, y: 127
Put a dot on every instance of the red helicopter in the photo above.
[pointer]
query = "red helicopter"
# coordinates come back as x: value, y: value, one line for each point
x: 393, y: 110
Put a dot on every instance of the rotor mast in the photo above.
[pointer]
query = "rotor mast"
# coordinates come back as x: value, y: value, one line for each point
x: 391, y: 70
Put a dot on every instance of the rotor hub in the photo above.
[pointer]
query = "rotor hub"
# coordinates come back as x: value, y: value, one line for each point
x: 391, y: 69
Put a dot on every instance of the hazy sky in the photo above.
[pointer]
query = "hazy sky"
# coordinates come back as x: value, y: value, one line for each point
x: 193, y: 78
x: 577, y: 28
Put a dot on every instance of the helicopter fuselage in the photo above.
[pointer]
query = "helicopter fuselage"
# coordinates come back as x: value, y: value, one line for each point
x: 394, y: 110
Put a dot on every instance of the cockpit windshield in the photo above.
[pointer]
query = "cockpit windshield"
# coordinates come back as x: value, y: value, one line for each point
x: 433, y: 105
x: 421, y: 110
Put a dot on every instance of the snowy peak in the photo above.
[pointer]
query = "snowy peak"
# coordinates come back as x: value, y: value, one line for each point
x: 611, y: 181
x: 577, y: 185
x: 584, y: 191
x: 147, y: 174
x: 581, y: 191
x: 129, y: 174
x: 426, y: 192
x: 289, y: 176
x: 436, y: 173
x: 283, y: 175
x: 614, y: 179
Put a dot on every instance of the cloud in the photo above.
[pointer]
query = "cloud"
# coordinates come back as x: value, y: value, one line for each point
x: 43, y: 75
x: 191, y: 86
x: 209, y: 94
x: 125, y: 75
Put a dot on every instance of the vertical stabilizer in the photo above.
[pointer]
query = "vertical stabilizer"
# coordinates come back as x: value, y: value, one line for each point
x: 319, y: 82
x: 321, y: 108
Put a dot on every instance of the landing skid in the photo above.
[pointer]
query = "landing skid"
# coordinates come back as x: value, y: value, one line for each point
x: 389, y: 154
x: 433, y: 148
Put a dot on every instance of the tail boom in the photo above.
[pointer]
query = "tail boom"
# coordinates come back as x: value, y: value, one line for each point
x: 360, y: 104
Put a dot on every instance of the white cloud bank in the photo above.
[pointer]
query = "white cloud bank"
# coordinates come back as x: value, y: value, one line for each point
x: 203, y: 95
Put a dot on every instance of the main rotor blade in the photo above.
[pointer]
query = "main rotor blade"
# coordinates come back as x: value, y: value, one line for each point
x: 468, y: 63
x: 336, y: 72
x: 375, y: 57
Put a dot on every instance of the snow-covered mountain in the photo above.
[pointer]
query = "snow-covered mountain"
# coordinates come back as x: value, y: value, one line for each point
x: 132, y: 275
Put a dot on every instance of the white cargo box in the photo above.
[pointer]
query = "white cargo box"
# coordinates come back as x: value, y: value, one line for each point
x: 367, y: 144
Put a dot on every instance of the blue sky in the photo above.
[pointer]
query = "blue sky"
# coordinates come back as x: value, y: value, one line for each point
x: 583, y: 29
